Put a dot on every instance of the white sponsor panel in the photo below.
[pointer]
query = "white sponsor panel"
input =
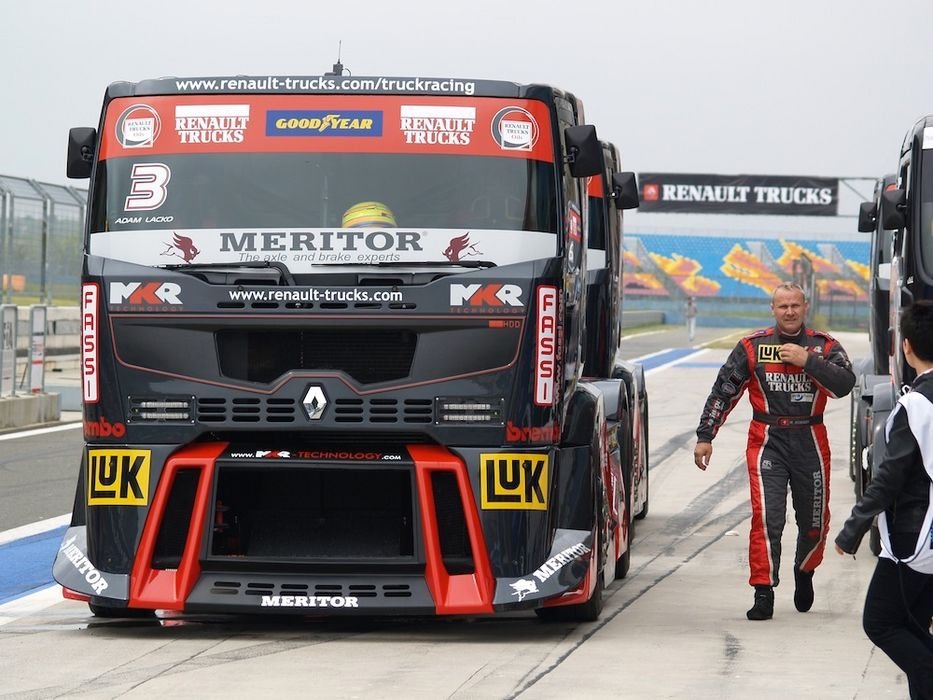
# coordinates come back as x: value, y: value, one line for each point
x: 303, y: 249
x: 437, y: 124
x: 90, y: 378
x: 211, y: 123
x: 546, y: 352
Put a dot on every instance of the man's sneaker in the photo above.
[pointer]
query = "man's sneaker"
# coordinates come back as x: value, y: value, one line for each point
x: 803, y: 591
x: 763, y: 609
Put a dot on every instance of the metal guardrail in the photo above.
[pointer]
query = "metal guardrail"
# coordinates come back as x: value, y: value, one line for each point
x: 41, y: 232
x: 28, y: 340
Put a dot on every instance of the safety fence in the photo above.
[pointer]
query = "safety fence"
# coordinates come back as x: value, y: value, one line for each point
x: 41, y: 226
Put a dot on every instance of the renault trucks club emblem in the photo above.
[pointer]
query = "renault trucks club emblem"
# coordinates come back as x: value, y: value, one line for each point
x: 314, y: 402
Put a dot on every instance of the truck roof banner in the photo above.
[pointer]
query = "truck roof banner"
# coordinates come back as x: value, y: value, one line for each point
x: 786, y: 195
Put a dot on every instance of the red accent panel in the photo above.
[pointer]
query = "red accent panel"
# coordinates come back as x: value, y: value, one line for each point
x: 69, y: 594
x: 581, y: 593
x: 462, y: 593
x: 759, y: 545
x: 167, y: 589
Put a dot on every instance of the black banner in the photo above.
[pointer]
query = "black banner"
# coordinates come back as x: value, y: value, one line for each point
x: 738, y: 194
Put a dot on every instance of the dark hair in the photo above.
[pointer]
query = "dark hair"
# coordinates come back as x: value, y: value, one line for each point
x: 917, y: 327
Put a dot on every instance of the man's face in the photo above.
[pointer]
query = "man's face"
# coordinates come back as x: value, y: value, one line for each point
x: 789, y: 310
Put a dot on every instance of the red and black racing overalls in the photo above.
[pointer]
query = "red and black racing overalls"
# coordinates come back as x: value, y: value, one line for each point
x: 786, y: 439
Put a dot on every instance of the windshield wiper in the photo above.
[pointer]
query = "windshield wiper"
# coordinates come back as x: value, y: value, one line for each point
x: 431, y: 263
x: 238, y: 268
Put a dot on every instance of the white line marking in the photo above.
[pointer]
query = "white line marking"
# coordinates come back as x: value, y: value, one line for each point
x: 30, y: 604
x: 672, y: 363
x: 41, y: 431
x: 18, y: 533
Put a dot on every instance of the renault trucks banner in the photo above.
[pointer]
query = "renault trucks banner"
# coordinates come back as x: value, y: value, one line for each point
x: 738, y: 194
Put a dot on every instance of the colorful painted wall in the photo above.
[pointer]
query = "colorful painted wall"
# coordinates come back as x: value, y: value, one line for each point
x: 661, y: 270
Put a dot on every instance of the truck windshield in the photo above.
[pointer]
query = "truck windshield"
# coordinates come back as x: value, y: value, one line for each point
x: 236, y: 195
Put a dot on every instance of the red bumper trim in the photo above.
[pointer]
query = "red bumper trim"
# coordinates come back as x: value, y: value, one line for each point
x: 167, y: 589
x: 462, y: 593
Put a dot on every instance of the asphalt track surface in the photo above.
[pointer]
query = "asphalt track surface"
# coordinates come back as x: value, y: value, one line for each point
x: 674, y: 628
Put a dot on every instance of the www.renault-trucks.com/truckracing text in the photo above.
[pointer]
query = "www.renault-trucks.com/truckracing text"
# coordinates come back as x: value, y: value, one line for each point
x: 351, y: 345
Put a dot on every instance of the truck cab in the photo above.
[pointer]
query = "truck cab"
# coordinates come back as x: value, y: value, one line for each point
x: 906, y: 209
x: 342, y: 327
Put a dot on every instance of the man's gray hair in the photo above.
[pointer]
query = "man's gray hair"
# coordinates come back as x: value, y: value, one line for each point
x: 789, y: 287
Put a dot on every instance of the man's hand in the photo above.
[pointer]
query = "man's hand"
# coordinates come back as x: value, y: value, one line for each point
x: 839, y: 550
x: 702, y: 453
x: 793, y: 354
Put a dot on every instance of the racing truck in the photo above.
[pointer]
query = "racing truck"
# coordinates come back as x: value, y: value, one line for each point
x: 901, y: 220
x: 875, y: 368
x: 350, y: 345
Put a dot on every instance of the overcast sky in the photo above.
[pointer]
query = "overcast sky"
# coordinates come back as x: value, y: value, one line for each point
x: 794, y: 87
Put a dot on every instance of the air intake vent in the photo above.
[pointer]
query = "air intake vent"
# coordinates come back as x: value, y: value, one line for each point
x: 247, y: 410
x: 375, y: 411
x: 335, y: 588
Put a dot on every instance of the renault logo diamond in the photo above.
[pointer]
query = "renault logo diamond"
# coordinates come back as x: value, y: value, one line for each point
x: 314, y: 402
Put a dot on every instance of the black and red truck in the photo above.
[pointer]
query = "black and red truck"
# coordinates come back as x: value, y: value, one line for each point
x: 351, y: 344
x: 901, y: 220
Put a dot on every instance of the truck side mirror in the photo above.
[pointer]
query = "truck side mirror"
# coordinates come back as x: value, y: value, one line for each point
x: 893, y: 209
x: 867, y: 217
x: 625, y: 190
x: 82, y: 142
x: 584, y: 153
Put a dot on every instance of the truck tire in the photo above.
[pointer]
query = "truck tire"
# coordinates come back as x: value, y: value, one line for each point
x: 582, y: 612
x: 625, y: 561
x: 643, y: 513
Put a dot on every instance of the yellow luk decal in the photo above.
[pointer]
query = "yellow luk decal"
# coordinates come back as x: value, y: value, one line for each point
x: 514, y: 481
x: 118, y: 477
x: 769, y: 353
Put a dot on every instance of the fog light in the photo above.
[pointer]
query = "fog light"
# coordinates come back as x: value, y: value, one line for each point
x: 461, y: 410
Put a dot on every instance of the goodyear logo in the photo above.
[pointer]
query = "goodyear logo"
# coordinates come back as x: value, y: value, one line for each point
x: 321, y: 123
x: 118, y: 477
x: 514, y: 481
x: 769, y: 353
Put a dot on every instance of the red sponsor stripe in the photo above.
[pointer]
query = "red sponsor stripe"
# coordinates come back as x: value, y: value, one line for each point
x: 394, y: 139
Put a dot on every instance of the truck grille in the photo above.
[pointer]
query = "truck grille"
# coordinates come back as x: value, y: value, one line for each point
x: 369, y: 355
x: 277, y: 410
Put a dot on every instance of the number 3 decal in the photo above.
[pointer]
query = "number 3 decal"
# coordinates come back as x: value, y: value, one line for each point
x: 147, y: 189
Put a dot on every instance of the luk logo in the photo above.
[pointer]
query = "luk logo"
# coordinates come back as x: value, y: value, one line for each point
x: 118, y: 477
x: 769, y: 353
x: 145, y: 294
x: 514, y: 481
x: 485, y: 295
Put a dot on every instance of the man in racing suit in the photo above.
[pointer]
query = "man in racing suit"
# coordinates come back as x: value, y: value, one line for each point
x: 789, y: 370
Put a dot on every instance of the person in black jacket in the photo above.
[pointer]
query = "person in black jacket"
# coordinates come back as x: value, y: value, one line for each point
x: 790, y: 372
x: 899, y: 602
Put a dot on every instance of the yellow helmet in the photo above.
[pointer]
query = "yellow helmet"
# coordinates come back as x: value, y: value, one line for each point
x: 368, y: 214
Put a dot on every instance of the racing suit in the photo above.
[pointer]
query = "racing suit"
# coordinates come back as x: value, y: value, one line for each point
x: 786, y: 439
